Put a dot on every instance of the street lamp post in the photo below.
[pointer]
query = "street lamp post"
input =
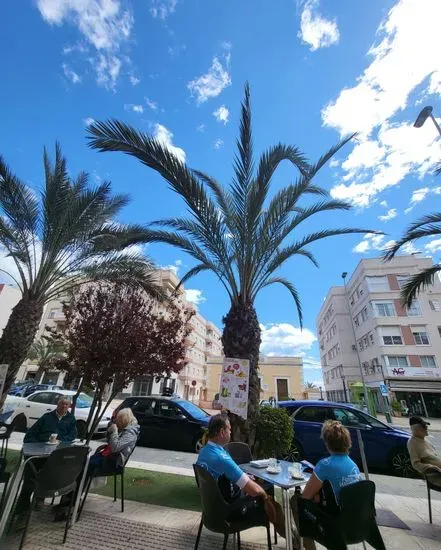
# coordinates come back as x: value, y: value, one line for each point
x: 424, y: 115
x: 363, y: 381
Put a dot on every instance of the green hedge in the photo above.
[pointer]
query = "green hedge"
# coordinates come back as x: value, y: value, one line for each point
x: 274, y: 433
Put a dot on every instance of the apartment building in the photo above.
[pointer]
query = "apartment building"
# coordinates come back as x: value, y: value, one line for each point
x: 9, y: 298
x: 203, y: 341
x: 396, y: 345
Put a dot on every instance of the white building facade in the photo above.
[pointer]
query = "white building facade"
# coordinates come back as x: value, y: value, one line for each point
x: 396, y: 345
x: 203, y: 341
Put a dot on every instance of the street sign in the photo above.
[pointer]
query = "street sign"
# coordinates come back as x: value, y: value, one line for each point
x: 384, y: 390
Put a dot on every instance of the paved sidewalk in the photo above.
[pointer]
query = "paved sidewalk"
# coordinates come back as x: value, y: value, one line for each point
x: 145, y: 527
x: 402, y: 422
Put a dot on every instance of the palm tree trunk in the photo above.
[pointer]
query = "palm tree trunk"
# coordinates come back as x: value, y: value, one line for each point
x: 241, y: 340
x: 18, y: 336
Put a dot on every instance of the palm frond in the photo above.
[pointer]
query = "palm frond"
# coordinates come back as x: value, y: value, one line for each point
x: 192, y: 273
x: 417, y: 283
x: 329, y: 154
x: 291, y: 288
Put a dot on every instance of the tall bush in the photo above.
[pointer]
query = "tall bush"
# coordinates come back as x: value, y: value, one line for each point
x: 274, y: 433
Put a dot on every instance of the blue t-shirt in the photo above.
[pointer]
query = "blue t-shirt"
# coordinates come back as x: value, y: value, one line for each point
x: 217, y: 461
x: 339, y: 470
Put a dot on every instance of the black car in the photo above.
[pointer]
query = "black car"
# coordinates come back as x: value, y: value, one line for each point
x: 168, y: 422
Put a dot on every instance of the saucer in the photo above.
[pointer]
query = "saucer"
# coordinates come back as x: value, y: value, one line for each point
x: 273, y: 470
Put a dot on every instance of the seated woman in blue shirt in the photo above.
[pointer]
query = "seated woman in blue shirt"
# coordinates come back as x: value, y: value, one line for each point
x: 218, y: 462
x: 338, y: 469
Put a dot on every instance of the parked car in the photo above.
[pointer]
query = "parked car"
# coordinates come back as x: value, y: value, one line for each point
x: 27, y: 410
x: 168, y: 422
x: 27, y: 390
x: 20, y: 386
x: 385, y: 446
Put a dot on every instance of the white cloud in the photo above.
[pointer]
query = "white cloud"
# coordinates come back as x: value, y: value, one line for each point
x: 218, y: 144
x: 135, y: 108
x: 102, y: 23
x: 151, y: 104
x: 333, y: 163
x: 200, y: 128
x: 403, y: 60
x: 162, y: 8
x: 164, y: 136
x: 433, y: 246
x: 383, y: 204
x: 420, y: 194
x: 107, y: 68
x: 173, y: 267
x: 134, y: 80
x: 409, y: 248
x: 390, y: 215
x: 221, y: 114
x: 88, y: 121
x: 371, y: 241
x: 212, y: 83
x: 194, y: 296
x: 70, y: 74
x: 285, y: 339
x: 315, y: 30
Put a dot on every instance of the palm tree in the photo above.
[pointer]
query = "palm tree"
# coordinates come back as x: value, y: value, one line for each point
x: 427, y: 226
x: 57, y: 241
x: 237, y: 232
x: 310, y: 386
x: 43, y: 353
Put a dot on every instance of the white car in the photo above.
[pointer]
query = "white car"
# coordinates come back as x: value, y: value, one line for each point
x: 27, y: 410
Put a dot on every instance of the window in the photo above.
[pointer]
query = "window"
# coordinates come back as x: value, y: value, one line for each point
x: 313, y: 414
x: 371, y: 338
x: 402, y: 280
x: 439, y: 331
x: 391, y: 336
x: 169, y: 410
x: 397, y: 361
x: 414, y: 310
x: 364, y: 314
x: 143, y: 406
x: 360, y: 290
x: 435, y: 305
x: 421, y: 336
x: 378, y: 284
x: 194, y: 410
x: 356, y: 323
x: 428, y: 361
x: 384, y: 309
x: 42, y: 397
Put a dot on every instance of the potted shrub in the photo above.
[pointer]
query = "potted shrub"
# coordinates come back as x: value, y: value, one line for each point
x: 396, y: 408
x: 274, y: 433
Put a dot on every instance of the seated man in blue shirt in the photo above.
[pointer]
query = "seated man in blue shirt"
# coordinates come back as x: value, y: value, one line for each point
x: 60, y: 422
x: 218, y: 462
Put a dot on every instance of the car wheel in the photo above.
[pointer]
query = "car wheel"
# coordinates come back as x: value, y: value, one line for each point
x: 20, y: 423
x: 198, y: 444
x: 296, y: 453
x: 81, y: 429
x: 400, y: 465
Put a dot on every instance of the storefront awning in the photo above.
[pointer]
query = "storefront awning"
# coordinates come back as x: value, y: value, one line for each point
x: 413, y: 385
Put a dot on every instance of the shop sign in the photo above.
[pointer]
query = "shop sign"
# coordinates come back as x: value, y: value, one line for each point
x: 413, y: 372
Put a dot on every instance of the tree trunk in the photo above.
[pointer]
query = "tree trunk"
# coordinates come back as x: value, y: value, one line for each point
x: 241, y: 340
x: 17, y: 338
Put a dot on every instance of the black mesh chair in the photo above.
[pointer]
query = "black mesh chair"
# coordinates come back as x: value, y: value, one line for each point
x: 431, y: 487
x: 59, y: 476
x: 119, y: 471
x: 216, y: 512
x: 355, y: 522
x: 241, y: 454
x: 4, y: 479
x: 5, y: 434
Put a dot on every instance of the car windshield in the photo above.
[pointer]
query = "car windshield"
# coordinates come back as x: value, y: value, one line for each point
x: 371, y: 421
x: 84, y: 401
x: 194, y: 410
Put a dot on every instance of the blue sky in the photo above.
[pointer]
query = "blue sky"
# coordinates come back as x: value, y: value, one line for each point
x: 318, y: 69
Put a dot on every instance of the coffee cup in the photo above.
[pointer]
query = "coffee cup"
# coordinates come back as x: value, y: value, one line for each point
x: 53, y: 438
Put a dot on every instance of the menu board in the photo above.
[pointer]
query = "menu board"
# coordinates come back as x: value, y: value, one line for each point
x: 234, y: 386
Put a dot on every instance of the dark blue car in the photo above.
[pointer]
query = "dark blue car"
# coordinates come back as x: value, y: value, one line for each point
x: 385, y: 447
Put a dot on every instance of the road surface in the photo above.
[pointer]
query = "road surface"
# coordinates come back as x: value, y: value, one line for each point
x: 176, y: 459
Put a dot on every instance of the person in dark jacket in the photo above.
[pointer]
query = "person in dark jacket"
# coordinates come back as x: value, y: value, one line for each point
x: 60, y: 422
